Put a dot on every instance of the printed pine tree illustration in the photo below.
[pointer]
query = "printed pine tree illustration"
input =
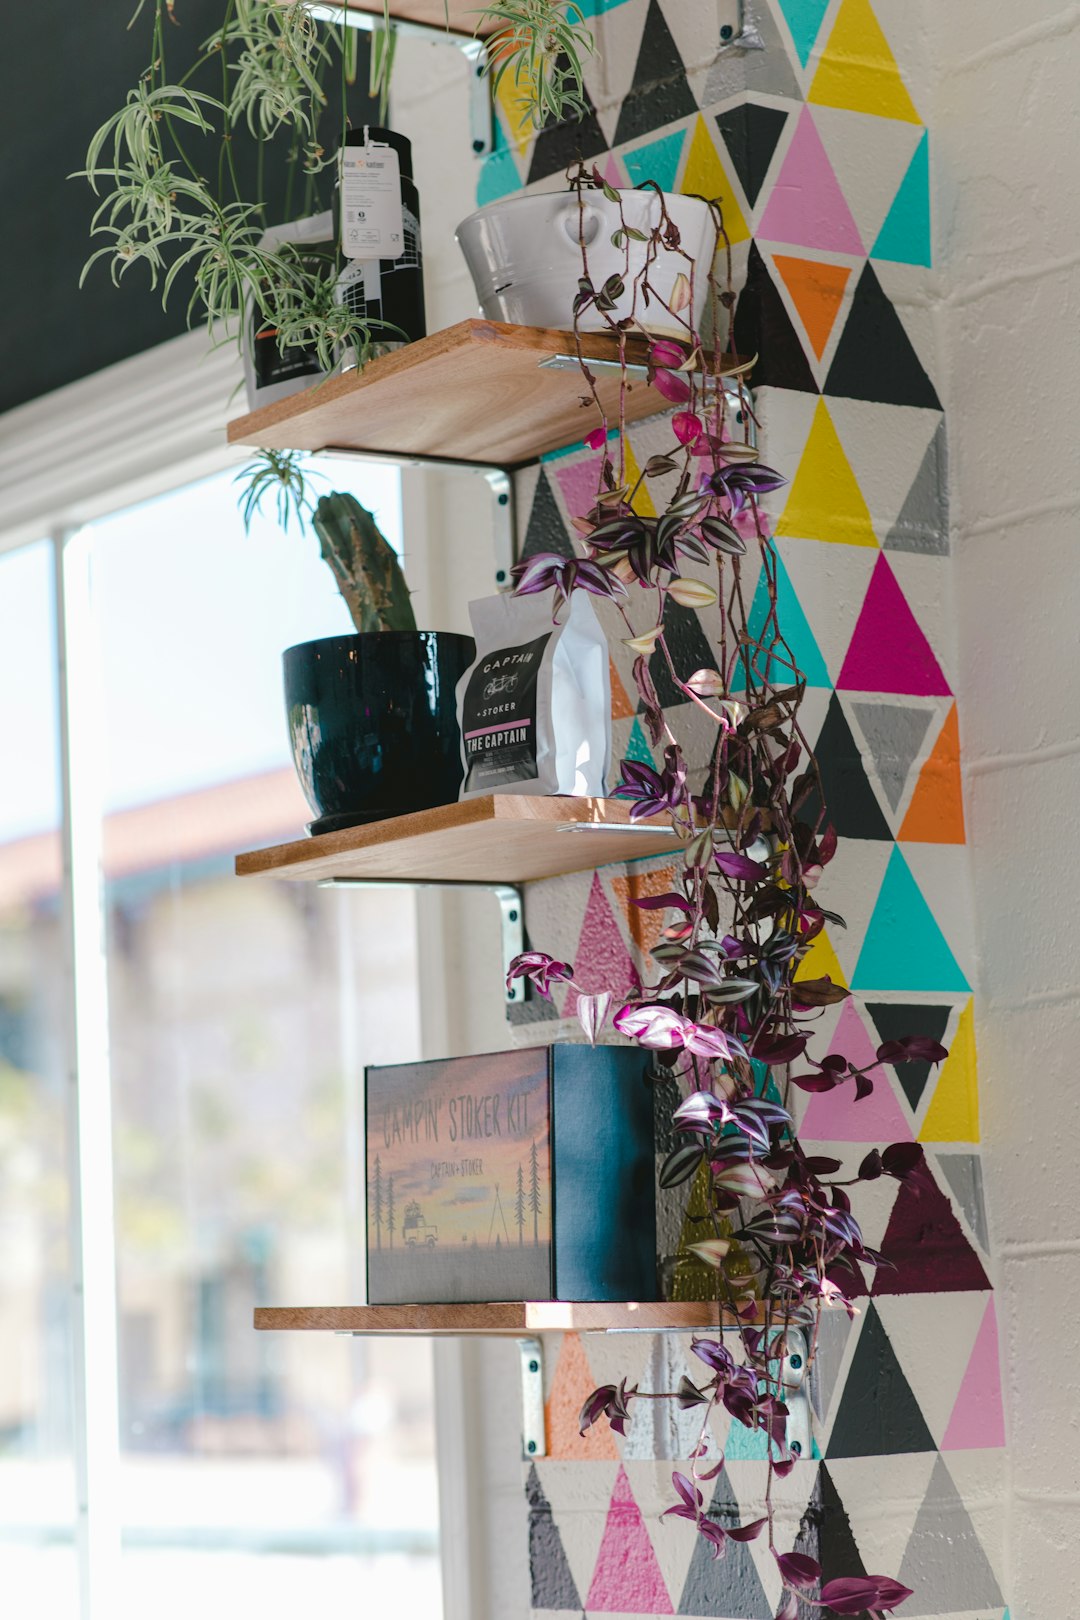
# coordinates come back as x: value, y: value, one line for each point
x: 390, y: 1209
x: 378, y: 1202
x: 534, y: 1192
x: 519, y: 1205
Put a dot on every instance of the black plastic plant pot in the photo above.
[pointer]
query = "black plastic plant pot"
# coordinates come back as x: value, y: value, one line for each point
x: 373, y: 723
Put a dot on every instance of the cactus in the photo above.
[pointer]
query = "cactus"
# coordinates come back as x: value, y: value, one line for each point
x: 364, y: 565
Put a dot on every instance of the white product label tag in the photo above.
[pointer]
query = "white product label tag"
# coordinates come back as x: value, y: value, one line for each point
x: 371, y: 222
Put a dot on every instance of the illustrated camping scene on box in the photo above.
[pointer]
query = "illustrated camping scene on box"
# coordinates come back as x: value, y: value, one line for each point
x: 459, y: 1179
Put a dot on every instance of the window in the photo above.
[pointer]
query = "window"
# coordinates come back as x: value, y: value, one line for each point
x: 238, y: 1021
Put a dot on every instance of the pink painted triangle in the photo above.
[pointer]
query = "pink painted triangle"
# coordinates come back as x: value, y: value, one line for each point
x: 612, y: 173
x: 602, y: 961
x: 978, y: 1420
x: 835, y: 1116
x: 579, y: 482
x: 888, y: 652
x: 627, y: 1578
x: 807, y: 207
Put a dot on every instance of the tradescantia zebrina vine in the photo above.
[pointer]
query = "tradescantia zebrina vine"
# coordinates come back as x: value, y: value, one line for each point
x: 723, y: 1012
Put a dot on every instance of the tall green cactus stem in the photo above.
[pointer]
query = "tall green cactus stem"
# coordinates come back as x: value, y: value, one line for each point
x: 364, y: 565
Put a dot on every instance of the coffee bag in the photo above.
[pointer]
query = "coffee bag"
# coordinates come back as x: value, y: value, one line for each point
x: 535, y: 707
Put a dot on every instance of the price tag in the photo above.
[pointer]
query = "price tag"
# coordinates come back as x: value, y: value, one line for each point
x: 371, y: 222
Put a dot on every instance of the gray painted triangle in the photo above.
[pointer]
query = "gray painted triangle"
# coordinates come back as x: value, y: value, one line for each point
x: 923, y: 521
x: 894, y: 736
x: 552, y: 1583
x: 757, y: 60
x: 963, y: 1172
x: 945, y: 1563
x: 834, y: 1330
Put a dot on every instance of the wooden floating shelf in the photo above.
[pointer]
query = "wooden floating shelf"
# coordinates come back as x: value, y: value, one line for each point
x: 476, y: 392
x: 428, y: 13
x: 510, y: 1320
x: 501, y: 838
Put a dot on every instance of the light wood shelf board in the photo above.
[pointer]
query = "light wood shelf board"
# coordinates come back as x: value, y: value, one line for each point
x: 474, y: 392
x: 512, y: 1319
x: 501, y: 838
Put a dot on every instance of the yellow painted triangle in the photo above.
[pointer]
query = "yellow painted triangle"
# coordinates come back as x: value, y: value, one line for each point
x: 643, y: 501
x: 821, y: 961
x: 513, y: 98
x: 705, y: 176
x: 692, y: 1278
x: 858, y: 70
x: 953, y: 1115
x: 825, y: 502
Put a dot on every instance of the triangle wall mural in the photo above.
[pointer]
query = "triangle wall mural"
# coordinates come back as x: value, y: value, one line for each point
x: 810, y: 132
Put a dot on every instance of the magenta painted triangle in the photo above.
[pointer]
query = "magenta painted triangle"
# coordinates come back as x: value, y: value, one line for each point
x: 835, y: 1116
x: 888, y: 652
x: 807, y: 207
x: 978, y: 1420
x: 602, y: 961
x: 627, y: 1578
x: 925, y: 1244
x: 579, y: 482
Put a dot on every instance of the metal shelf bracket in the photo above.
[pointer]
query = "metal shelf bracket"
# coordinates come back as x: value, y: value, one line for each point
x: 481, y: 109
x: 533, y: 1434
x: 511, y: 915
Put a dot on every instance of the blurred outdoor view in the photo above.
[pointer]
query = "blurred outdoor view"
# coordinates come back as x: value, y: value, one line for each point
x: 257, y: 1471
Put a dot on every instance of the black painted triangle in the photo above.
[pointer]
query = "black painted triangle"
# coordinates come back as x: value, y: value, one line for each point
x: 545, y: 530
x: 558, y: 146
x: 764, y: 328
x: 825, y: 1534
x: 925, y: 1244
x: 659, y: 93
x: 689, y: 648
x: 553, y: 1585
x: 850, y: 804
x: 875, y: 359
x: 750, y: 134
x: 728, y: 1586
x: 878, y: 1415
x: 892, y: 1020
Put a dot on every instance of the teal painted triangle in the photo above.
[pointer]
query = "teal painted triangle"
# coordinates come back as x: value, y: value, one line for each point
x: 804, y: 17
x: 596, y: 8
x: 904, y: 948
x: 658, y: 160
x: 815, y: 1454
x: 796, y: 632
x: 499, y: 175
x: 746, y: 1445
x: 905, y: 236
x: 637, y: 748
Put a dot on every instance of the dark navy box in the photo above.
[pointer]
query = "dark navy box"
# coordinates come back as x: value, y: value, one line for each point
x: 524, y: 1175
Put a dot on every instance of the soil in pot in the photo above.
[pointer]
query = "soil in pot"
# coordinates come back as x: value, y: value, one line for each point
x: 373, y: 723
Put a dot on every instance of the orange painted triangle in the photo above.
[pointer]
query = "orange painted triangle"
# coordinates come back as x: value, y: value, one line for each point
x: 573, y: 1382
x: 816, y: 291
x: 621, y: 706
x: 645, y: 926
x: 936, y: 812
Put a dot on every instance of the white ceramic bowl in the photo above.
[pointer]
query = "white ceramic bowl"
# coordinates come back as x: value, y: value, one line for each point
x: 524, y: 256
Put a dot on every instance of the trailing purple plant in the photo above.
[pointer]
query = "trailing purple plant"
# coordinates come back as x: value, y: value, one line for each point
x: 727, y: 1008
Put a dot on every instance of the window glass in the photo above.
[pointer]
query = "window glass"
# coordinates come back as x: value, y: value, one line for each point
x: 37, y: 1490
x: 241, y: 1015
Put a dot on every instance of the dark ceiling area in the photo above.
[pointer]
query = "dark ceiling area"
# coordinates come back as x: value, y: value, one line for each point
x: 63, y: 72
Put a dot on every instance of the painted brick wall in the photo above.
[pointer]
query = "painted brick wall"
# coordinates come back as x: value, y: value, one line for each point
x: 813, y: 128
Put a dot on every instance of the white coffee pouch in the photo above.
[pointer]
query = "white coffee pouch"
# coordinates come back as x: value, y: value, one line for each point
x: 535, y: 707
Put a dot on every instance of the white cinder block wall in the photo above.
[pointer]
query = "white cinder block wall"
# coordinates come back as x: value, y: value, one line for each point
x: 1006, y: 172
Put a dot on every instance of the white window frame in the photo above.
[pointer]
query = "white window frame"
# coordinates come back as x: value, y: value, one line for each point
x: 146, y: 425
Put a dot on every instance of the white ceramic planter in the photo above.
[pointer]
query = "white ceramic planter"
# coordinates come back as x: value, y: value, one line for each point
x: 524, y: 256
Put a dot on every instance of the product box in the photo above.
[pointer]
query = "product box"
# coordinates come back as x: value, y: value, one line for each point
x: 524, y: 1175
